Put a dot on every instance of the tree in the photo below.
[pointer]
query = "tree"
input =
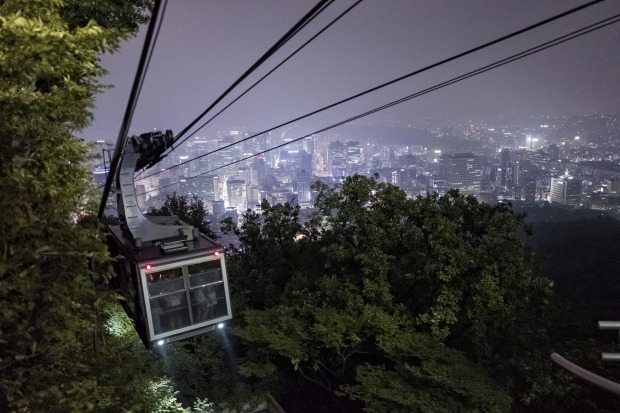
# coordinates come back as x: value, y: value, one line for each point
x: 585, y: 282
x: 51, y: 339
x: 128, y: 377
x: 124, y: 17
x: 381, y: 289
x: 199, y: 368
x: 460, y: 268
x: 426, y: 377
x: 190, y: 210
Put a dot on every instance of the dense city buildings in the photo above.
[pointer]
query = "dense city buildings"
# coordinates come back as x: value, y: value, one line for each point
x: 572, y: 162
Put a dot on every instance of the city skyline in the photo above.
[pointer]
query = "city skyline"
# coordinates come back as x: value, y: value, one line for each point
x: 513, y: 163
x: 376, y: 42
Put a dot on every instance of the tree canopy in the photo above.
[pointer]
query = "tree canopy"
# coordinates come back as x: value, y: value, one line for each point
x: 379, y: 296
x: 55, y: 352
x: 189, y: 209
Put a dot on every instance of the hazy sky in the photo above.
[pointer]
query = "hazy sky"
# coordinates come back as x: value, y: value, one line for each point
x: 205, y: 45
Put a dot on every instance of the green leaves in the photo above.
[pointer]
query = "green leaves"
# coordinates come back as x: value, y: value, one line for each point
x: 53, y: 354
x: 404, y: 304
x: 190, y: 210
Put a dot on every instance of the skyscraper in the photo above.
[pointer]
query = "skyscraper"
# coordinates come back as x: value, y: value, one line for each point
x: 237, y: 196
x: 355, y: 157
x: 303, y: 186
x: 337, y: 159
x: 461, y: 171
x: 613, y: 187
x: 203, y: 186
x: 529, y: 189
x: 565, y: 190
x: 504, y: 158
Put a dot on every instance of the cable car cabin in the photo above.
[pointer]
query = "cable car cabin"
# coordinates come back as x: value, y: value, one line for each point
x: 172, y: 290
x: 173, y: 278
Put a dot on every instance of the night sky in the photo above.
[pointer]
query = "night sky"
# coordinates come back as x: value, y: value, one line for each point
x: 205, y: 45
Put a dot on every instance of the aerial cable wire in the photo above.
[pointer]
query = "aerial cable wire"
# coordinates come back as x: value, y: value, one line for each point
x: 152, y: 47
x: 329, y: 2
x: 318, y: 8
x: 418, y: 71
x: 131, y: 104
x: 543, y: 46
x: 268, y: 73
x: 305, y: 20
x: 261, y: 79
x: 148, y: 63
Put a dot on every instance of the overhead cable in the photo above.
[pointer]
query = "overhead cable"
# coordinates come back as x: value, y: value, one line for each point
x: 259, y: 80
x: 151, y: 48
x: 318, y: 8
x: 149, y: 44
x: 272, y: 70
x: 499, y: 63
x: 416, y: 72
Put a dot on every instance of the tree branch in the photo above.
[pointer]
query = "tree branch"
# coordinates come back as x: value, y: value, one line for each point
x: 326, y: 387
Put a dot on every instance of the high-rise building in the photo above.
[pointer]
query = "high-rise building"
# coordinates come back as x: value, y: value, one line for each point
x: 461, y: 171
x: 504, y: 159
x: 337, y: 159
x: 258, y: 170
x: 205, y: 187
x: 218, y: 207
x: 613, y: 187
x: 277, y: 196
x: 554, y: 152
x: 516, y: 167
x: 253, y: 196
x: 565, y: 190
x: 400, y: 178
x: 237, y: 196
x: 167, y: 187
x: 303, y: 187
x: 295, y: 160
x: 355, y: 157
x: 529, y: 189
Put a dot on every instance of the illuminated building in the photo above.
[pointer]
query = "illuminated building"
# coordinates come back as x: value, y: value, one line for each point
x: 529, y: 189
x: 462, y: 171
x: 613, y: 187
x: 504, y: 159
x: 237, y: 196
x: 303, y: 186
x: 337, y: 159
x: 565, y: 191
x: 355, y: 157
x: 205, y: 187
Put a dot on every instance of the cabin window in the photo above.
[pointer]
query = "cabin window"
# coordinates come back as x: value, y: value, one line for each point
x: 169, y: 313
x: 165, y: 282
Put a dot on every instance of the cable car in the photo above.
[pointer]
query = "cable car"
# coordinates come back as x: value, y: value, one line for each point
x: 172, y: 277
